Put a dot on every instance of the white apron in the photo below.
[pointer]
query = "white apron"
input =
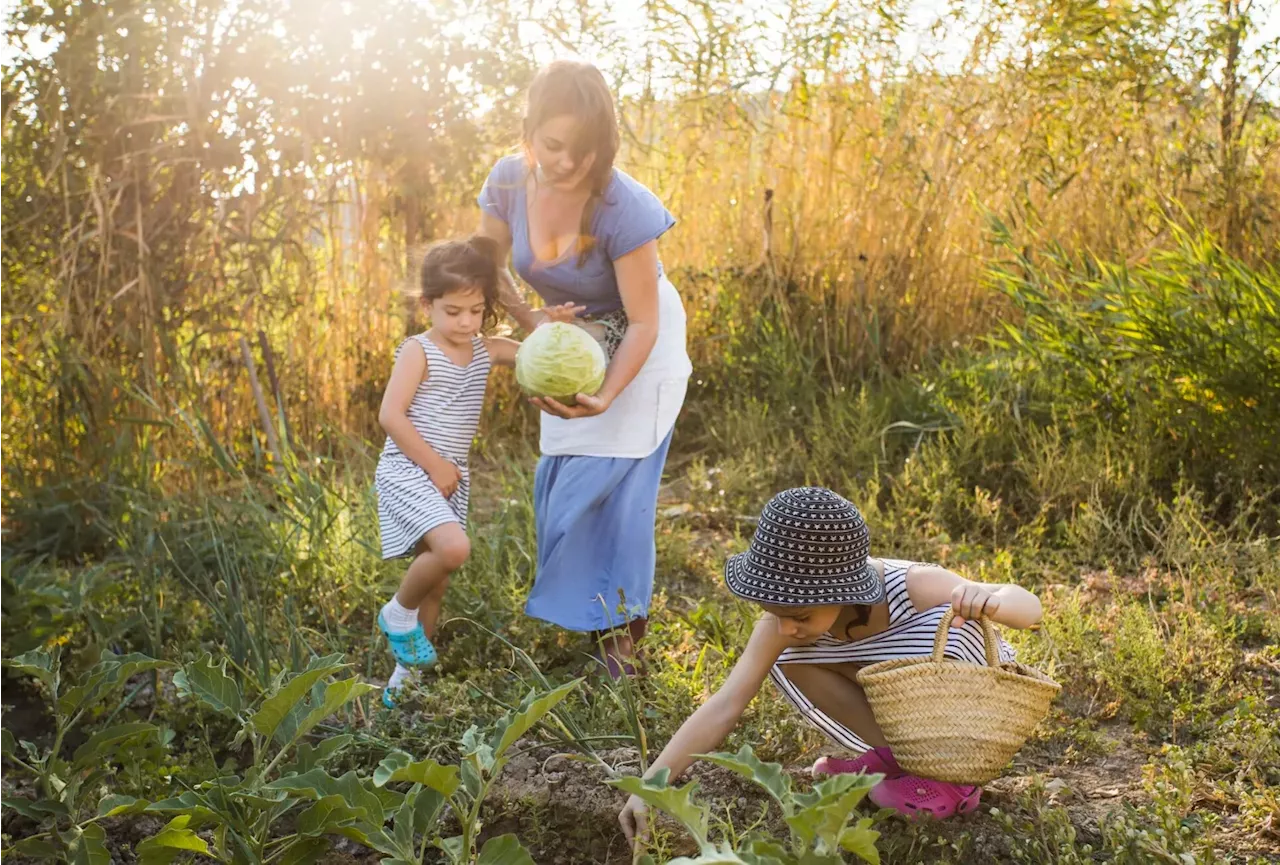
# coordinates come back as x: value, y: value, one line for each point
x: 645, y: 412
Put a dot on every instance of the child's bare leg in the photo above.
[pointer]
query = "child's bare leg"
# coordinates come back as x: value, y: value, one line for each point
x: 429, y: 609
x: 442, y: 551
x: 831, y: 687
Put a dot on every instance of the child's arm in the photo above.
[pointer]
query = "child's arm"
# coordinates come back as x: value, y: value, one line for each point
x: 409, y: 371
x: 502, y: 351
x: 706, y: 728
x: 1004, y: 603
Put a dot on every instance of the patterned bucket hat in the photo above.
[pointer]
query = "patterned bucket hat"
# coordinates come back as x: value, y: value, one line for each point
x: 810, y: 549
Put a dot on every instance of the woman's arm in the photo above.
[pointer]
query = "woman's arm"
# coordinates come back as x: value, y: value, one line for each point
x: 508, y: 295
x: 637, y: 273
x: 1004, y: 603
x: 409, y: 371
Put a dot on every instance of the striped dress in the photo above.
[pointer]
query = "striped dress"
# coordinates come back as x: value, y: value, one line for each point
x: 910, y: 634
x: 446, y: 412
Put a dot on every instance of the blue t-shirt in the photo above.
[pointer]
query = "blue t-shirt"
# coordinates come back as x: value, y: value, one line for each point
x: 627, y: 217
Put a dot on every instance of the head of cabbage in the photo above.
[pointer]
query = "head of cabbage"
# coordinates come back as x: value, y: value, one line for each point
x: 560, y: 360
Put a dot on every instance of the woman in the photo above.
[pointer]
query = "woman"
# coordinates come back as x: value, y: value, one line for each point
x: 828, y: 610
x: 584, y: 235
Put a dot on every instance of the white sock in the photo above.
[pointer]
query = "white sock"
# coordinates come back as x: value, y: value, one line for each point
x: 399, y: 675
x: 399, y: 619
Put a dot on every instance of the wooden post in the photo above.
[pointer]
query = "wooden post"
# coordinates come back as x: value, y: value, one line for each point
x: 768, y: 225
x: 264, y: 414
x: 268, y: 360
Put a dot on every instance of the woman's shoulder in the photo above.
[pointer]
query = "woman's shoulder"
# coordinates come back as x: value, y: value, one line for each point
x: 509, y: 169
x: 624, y: 189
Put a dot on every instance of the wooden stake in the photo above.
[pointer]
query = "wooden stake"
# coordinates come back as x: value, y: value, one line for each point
x: 268, y: 360
x: 264, y: 414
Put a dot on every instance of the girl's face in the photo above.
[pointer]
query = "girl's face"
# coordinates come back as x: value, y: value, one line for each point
x: 459, y: 314
x: 552, y: 144
x: 804, y: 623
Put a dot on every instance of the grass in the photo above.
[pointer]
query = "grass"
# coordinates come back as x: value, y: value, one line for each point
x: 1158, y: 563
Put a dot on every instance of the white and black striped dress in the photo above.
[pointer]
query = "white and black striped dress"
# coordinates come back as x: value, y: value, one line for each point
x: 910, y: 634
x: 446, y: 412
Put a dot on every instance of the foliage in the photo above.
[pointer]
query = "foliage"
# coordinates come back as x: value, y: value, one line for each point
x: 818, y: 820
x: 66, y: 786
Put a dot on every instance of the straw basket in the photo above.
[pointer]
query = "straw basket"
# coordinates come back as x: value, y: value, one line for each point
x: 955, y: 721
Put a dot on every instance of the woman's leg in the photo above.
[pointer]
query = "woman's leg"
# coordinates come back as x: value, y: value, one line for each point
x: 833, y: 689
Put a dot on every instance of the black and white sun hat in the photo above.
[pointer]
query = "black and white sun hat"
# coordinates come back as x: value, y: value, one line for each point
x: 810, y: 549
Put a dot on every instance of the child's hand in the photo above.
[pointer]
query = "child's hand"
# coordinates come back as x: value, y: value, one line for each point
x: 632, y: 818
x: 972, y: 601
x: 446, y: 476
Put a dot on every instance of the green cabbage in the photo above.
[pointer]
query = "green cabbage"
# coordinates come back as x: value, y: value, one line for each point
x: 560, y: 360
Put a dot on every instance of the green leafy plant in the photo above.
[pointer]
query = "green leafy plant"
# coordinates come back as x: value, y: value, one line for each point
x: 818, y: 819
x: 463, y: 788
x: 66, y: 783
x: 247, y: 812
x: 245, y: 809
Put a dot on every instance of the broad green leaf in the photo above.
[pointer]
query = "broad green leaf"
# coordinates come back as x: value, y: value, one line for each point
x: 426, y: 808
x: 823, y: 813
x: 38, y: 663
x: 452, y: 848
x: 336, y: 695
x: 765, y: 851
x: 102, y: 743
x: 304, y: 851
x: 282, y: 702
x: 676, y: 801
x: 36, y: 847
x: 87, y: 846
x: 8, y: 745
x: 373, y: 837
x: 512, y: 727
x: 316, y: 784
x: 470, y: 771
x: 310, y: 756
x: 34, y: 809
x: 196, y: 808
x: 861, y: 840
x: 771, y: 776
x: 327, y: 815
x: 209, y: 684
x: 398, y: 766
x: 170, y: 840
x: 115, y: 804
x: 108, y: 675
x: 504, y: 850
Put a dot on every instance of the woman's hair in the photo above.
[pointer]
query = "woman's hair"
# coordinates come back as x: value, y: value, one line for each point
x: 578, y: 89
x: 460, y: 264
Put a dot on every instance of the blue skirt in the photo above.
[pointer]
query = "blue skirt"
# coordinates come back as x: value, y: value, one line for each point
x: 595, y: 520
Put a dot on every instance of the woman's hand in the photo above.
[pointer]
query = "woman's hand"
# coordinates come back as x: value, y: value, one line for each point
x: 588, y: 406
x: 634, y: 820
x: 565, y: 312
x: 973, y: 601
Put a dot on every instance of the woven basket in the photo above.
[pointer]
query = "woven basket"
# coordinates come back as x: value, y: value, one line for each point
x: 955, y: 721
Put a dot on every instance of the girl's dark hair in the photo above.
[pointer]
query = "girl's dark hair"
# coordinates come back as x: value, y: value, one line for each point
x: 458, y: 264
x: 578, y: 89
x: 862, y: 616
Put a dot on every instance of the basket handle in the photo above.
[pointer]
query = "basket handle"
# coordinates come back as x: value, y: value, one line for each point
x: 989, y: 638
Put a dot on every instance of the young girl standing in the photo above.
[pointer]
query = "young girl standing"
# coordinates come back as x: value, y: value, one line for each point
x: 827, y: 611
x: 430, y: 412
